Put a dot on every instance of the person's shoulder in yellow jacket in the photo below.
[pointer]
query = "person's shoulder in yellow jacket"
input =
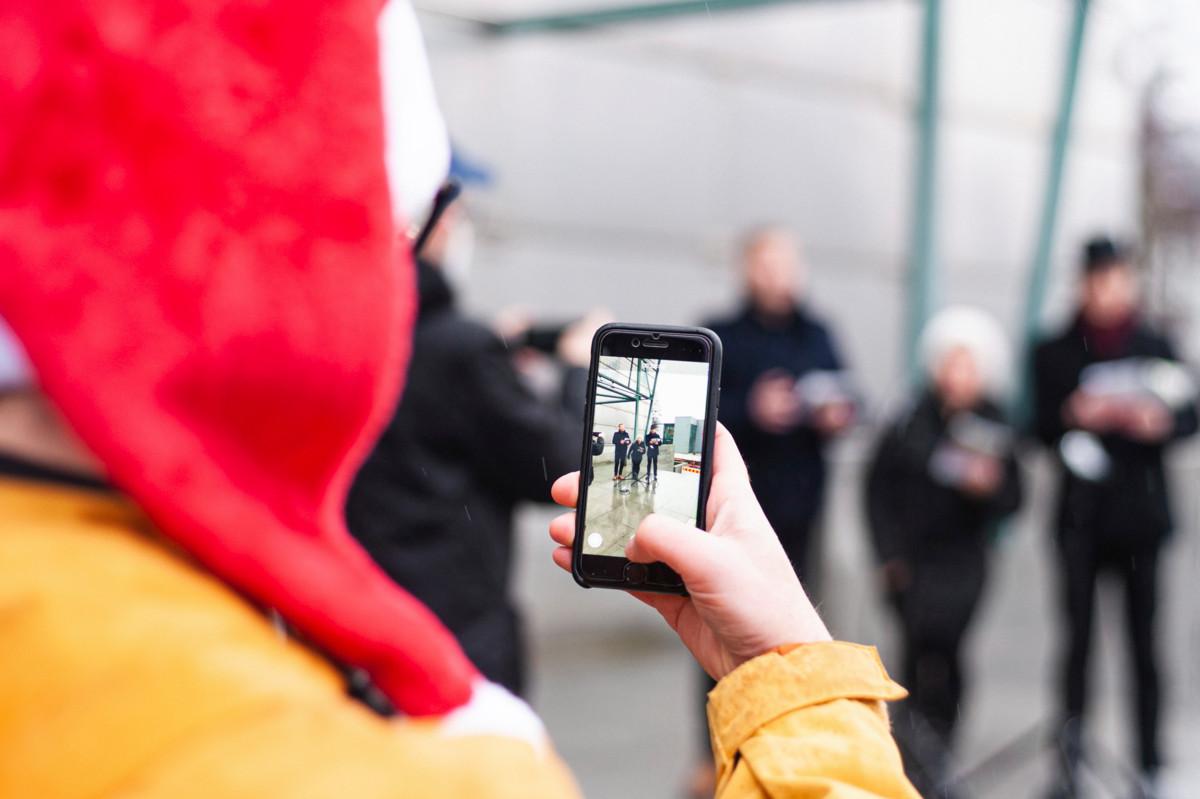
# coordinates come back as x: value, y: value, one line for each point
x: 130, y: 672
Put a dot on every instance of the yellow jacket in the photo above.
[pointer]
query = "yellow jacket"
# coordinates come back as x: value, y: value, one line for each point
x: 127, y: 671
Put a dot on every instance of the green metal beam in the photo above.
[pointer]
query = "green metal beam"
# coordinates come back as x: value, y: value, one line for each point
x: 922, y: 270
x: 1039, y: 272
x: 638, y: 12
x: 653, y: 393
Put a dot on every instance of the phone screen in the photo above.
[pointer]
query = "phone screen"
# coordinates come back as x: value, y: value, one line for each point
x: 648, y: 444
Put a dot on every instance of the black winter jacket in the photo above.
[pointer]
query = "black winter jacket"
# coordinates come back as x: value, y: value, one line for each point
x: 788, y: 470
x: 433, y: 503
x: 1131, y: 508
x: 915, y: 517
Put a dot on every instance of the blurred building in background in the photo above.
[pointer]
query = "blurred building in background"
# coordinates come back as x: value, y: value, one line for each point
x: 630, y: 145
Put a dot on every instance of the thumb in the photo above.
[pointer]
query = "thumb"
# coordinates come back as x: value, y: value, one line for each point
x: 691, y: 552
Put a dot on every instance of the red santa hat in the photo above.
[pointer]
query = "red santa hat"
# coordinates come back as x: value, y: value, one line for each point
x: 199, y: 258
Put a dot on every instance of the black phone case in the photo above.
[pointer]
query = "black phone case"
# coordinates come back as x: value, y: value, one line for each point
x: 710, y: 428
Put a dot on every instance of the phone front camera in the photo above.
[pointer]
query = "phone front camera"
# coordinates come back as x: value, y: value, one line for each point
x: 637, y: 342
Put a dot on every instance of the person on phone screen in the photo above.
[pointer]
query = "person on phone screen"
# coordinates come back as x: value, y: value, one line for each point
x: 653, y: 442
x: 620, y: 441
x: 943, y: 472
x: 165, y: 528
x: 636, y: 453
x: 1114, y: 510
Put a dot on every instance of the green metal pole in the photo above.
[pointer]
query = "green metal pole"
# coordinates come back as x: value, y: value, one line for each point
x: 922, y: 271
x: 653, y: 393
x: 637, y: 12
x: 1039, y: 273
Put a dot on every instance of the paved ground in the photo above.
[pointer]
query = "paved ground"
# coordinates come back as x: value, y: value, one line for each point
x: 618, y: 693
x: 615, y: 508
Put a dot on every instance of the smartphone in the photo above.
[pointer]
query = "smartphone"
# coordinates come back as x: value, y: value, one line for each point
x: 653, y: 392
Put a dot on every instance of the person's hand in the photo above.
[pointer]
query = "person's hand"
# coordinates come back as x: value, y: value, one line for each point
x: 1148, y: 421
x: 574, y: 346
x: 512, y: 323
x: 982, y: 476
x: 744, y: 598
x: 773, y: 403
x: 1090, y: 412
x: 833, y: 418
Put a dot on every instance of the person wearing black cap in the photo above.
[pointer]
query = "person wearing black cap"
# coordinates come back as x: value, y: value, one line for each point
x: 1106, y: 404
x: 433, y: 503
x: 653, y: 442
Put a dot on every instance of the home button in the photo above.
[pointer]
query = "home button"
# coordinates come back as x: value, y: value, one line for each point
x: 635, y: 573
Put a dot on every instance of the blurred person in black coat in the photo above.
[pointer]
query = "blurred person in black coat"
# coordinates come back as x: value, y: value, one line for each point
x: 943, y: 473
x: 1108, y: 403
x: 433, y: 503
x: 769, y: 346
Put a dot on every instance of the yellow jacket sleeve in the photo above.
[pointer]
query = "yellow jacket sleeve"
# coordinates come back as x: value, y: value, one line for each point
x: 809, y: 723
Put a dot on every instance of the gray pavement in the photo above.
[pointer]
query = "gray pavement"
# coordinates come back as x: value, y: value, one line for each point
x: 619, y: 693
x: 616, y: 508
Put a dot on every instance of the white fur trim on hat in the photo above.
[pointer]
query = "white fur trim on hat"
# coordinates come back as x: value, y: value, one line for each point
x: 492, y: 710
x: 973, y: 329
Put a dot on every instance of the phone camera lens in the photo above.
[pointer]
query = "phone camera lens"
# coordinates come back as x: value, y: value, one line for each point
x: 637, y: 342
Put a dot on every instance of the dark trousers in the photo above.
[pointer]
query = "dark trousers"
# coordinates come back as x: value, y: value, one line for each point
x: 618, y: 464
x: 637, y: 467
x: 1080, y: 564
x: 652, y: 466
x: 935, y: 613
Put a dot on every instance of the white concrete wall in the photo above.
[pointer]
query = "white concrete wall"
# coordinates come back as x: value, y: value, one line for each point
x: 632, y: 155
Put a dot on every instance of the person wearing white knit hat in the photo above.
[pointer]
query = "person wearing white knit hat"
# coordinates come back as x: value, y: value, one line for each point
x: 963, y: 327
x: 943, y: 473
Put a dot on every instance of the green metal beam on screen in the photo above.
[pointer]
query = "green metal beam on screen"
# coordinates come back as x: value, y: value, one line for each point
x: 653, y: 392
x: 1039, y: 272
x: 637, y: 12
x: 922, y: 269
x: 637, y: 402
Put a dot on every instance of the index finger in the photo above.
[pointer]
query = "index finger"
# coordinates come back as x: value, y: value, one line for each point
x: 565, y: 490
